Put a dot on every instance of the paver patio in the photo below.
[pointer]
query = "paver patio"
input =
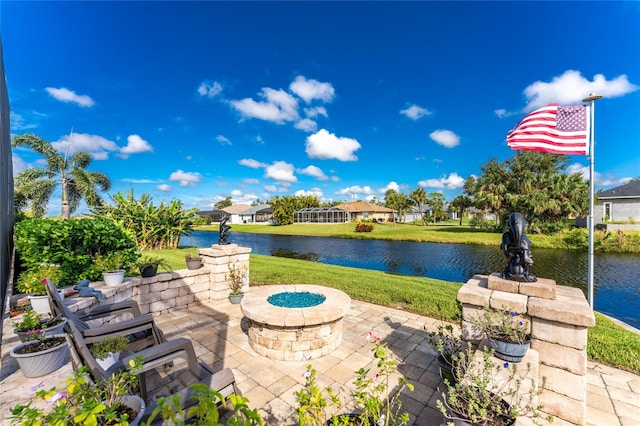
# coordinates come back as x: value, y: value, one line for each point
x: 218, y: 332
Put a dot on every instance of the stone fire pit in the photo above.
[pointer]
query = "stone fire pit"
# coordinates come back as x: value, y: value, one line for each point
x: 291, y: 333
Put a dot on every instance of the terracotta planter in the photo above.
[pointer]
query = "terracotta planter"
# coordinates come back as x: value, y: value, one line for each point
x: 41, y: 363
x: 113, y: 278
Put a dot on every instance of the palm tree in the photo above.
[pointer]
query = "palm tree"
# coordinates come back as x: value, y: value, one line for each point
x: 35, y: 185
x: 420, y: 197
x: 462, y: 203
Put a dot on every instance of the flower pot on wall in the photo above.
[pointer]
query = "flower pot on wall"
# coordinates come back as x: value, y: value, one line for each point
x: 509, y: 351
x: 194, y: 263
x: 36, y: 364
x: 148, y: 271
x: 40, y: 304
x: 113, y: 278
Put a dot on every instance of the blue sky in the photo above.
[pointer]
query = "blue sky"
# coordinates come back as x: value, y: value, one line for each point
x: 201, y: 100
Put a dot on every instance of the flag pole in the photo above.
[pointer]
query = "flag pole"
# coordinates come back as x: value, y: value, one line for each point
x: 591, y: 99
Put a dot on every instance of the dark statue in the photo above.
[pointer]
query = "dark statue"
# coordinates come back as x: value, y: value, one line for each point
x: 224, y: 229
x: 515, y: 245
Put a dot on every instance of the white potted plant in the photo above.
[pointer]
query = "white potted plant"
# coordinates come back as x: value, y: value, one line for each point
x: 32, y: 282
x: 507, y: 333
x: 112, y: 268
x: 107, y: 351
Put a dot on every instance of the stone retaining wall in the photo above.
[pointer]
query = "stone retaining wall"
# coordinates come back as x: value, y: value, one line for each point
x: 181, y: 288
x: 559, y: 317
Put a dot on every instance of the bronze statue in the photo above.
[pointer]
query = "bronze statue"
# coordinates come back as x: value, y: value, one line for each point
x: 515, y: 245
x: 224, y: 228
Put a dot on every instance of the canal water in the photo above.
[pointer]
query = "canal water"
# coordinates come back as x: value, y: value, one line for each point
x: 617, y: 276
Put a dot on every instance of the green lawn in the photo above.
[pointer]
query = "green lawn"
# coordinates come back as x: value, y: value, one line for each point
x: 608, y: 343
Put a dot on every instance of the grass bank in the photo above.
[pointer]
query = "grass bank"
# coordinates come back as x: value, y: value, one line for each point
x: 449, y: 232
x: 608, y: 343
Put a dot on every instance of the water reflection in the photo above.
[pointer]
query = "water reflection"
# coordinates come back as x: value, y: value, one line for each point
x: 617, y: 290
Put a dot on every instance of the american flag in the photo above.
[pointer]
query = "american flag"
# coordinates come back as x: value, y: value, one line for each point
x: 552, y: 128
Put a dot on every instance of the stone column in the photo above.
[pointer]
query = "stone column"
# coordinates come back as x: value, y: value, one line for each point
x: 559, y: 317
x: 217, y: 259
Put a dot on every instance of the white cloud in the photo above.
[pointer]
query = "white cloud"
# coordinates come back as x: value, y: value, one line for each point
x: 446, y: 138
x: 335, y: 179
x: 135, y: 145
x: 415, y: 112
x: 391, y: 185
x: 307, y: 125
x: 164, y: 187
x: 316, y: 111
x: 223, y: 140
x: 96, y: 146
x: 133, y: 180
x: 599, y: 179
x: 19, y: 123
x: 280, y: 171
x: 571, y: 87
x: 270, y: 188
x: 65, y: 95
x: 236, y: 193
x: 278, y: 106
x: 356, y: 190
x: 209, y: 89
x: 251, y: 181
x: 18, y: 164
x: 185, y: 178
x: 250, y: 162
x: 317, y: 192
x: 453, y: 181
x: 313, y: 171
x: 308, y: 90
x: 326, y: 146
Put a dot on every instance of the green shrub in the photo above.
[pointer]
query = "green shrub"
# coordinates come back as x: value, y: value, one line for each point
x: 577, y: 238
x: 73, y: 244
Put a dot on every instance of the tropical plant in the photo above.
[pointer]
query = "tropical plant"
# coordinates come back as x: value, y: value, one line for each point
x: 30, y: 321
x: 488, y: 394
x: 283, y: 208
x: 379, y: 403
x: 81, y: 402
x: 436, y: 201
x: 109, y: 345
x: 35, y: 186
x: 33, y: 280
x: 501, y: 324
x: 461, y: 203
x: 151, y: 227
x: 237, y: 277
x: 205, y: 410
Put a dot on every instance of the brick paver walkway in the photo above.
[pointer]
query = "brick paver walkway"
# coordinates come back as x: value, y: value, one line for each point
x: 219, y: 336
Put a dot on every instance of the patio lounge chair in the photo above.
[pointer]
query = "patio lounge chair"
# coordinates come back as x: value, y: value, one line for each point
x: 139, y: 329
x: 188, y: 372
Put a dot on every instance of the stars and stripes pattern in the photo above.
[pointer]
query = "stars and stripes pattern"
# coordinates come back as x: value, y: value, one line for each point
x: 553, y: 128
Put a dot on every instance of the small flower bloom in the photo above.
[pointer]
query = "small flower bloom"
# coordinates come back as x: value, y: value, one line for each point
x: 520, y: 323
x: 513, y: 314
x: 505, y: 365
x: 306, y: 374
x: 56, y: 396
x: 36, y: 386
x: 306, y: 357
